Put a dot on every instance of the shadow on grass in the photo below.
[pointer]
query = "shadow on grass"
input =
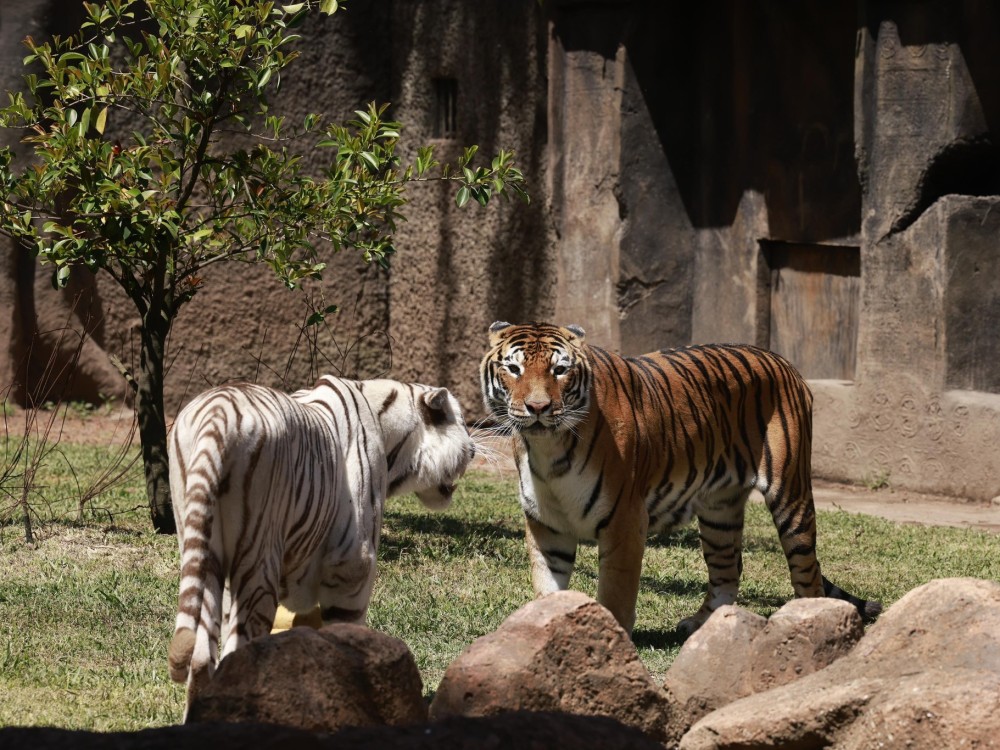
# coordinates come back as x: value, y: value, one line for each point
x: 658, y: 638
x: 404, y: 527
x: 440, y: 523
x: 686, y: 537
x: 672, y: 586
x: 47, y: 528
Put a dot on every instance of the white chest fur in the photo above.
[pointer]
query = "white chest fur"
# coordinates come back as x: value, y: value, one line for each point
x: 567, y: 495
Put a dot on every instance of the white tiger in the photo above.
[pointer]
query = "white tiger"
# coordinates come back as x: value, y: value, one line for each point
x: 279, y: 498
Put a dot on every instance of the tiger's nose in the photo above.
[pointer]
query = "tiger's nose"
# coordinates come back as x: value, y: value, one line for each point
x: 537, y: 406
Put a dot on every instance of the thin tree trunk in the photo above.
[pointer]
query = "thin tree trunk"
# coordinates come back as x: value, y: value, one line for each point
x: 153, y: 422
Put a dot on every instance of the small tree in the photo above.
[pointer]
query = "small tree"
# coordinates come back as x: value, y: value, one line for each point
x: 154, y: 208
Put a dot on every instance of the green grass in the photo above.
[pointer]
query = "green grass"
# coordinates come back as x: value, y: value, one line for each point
x: 86, y: 614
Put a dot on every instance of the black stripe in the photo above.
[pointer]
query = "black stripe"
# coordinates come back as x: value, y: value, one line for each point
x: 602, y: 524
x: 721, y: 525
x: 566, y: 557
x: 594, y: 494
x: 390, y: 459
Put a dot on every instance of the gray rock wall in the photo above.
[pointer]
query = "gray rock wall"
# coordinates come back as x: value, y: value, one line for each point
x: 459, y: 270
x: 817, y: 179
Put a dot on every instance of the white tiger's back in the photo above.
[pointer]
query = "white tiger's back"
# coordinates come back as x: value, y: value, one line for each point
x: 237, y: 462
x: 282, y: 495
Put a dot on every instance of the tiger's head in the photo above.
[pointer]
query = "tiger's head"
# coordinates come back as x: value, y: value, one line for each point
x: 536, y: 377
x: 428, y: 445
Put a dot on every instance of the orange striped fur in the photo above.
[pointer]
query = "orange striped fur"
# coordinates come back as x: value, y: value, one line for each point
x: 612, y: 449
x: 279, y: 498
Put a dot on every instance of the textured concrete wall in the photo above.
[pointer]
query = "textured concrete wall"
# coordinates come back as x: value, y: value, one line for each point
x: 727, y: 127
x: 927, y: 114
x: 625, y: 243
x: 586, y: 74
x: 773, y: 158
x: 455, y: 272
x: 902, y: 418
x: 459, y: 270
x: 665, y: 146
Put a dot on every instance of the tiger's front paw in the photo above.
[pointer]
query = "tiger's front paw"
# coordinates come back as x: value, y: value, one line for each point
x: 688, y: 625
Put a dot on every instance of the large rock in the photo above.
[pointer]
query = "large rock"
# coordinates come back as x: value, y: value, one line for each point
x: 802, y: 637
x: 927, y: 674
x: 737, y: 653
x: 516, y: 730
x: 563, y: 652
x: 711, y: 668
x: 320, y: 680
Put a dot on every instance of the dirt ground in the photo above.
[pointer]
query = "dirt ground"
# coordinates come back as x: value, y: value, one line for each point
x: 113, y: 427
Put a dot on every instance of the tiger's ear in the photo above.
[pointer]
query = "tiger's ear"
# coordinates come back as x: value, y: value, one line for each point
x: 577, y: 331
x: 435, y: 407
x: 437, y: 399
x: 496, y: 329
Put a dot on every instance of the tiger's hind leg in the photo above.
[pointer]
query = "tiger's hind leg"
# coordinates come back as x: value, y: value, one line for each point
x: 796, y: 523
x: 253, y: 587
x: 794, y: 517
x: 346, y: 589
x: 720, y: 529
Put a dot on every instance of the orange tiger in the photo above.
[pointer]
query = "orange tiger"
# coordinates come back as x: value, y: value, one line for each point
x: 612, y: 449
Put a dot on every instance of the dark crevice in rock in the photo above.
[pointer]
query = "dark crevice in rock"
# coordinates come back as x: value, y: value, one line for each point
x: 970, y: 166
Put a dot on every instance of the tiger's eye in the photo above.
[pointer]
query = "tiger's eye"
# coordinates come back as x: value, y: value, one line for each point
x: 559, y: 370
x: 513, y: 369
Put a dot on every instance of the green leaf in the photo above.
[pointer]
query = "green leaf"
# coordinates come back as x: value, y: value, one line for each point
x: 102, y: 120
x: 61, y: 277
x: 329, y: 7
x: 294, y: 8
x: 243, y: 31
x: 463, y: 196
x: 319, y: 316
x: 264, y: 78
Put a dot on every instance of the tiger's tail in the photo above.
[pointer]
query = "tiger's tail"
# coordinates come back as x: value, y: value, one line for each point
x: 868, y: 609
x: 195, y: 475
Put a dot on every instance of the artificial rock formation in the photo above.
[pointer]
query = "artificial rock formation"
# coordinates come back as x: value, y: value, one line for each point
x: 737, y: 653
x: 319, y: 680
x: 927, y: 674
x: 561, y: 672
x: 563, y: 652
